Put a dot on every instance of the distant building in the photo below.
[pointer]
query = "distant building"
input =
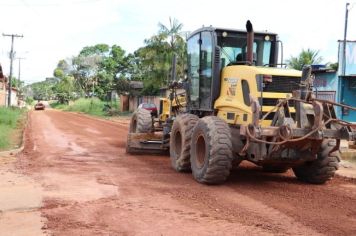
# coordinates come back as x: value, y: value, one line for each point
x: 347, y: 81
x: 130, y: 102
x: 337, y: 86
x: 4, y: 87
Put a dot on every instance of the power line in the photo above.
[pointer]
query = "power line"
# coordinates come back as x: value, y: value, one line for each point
x: 13, y: 36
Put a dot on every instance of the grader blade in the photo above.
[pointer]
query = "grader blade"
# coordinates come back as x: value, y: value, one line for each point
x: 145, y: 143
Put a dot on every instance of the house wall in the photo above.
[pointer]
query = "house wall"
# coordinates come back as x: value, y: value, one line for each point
x: 326, y: 85
x: 14, y: 98
x: 348, y: 96
x: 347, y: 83
x: 350, y: 58
x: 124, y: 103
x: 326, y: 81
x: 134, y: 101
x: 2, y: 94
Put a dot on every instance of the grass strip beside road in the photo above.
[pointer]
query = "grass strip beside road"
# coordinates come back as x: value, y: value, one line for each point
x: 12, y: 122
x: 91, y: 106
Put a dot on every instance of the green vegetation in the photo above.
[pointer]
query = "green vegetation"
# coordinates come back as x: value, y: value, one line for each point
x: 101, y: 69
x: 30, y: 101
x: 10, y: 121
x: 91, y: 106
x: 306, y: 57
x: 58, y: 105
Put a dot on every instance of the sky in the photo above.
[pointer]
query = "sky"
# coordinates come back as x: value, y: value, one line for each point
x: 59, y: 29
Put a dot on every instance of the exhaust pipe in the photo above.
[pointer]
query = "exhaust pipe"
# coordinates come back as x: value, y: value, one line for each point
x: 250, y: 39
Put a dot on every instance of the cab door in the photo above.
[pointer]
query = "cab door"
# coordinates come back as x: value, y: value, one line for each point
x: 200, y: 69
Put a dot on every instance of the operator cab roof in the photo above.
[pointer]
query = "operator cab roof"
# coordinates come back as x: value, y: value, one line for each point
x: 230, y: 32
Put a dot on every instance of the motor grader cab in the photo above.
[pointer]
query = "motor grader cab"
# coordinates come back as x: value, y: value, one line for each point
x: 241, y: 106
x: 223, y: 74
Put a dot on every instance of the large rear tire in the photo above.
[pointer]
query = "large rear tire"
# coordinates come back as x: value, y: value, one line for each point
x: 180, y: 140
x: 323, y: 168
x: 211, y: 150
x: 141, y: 121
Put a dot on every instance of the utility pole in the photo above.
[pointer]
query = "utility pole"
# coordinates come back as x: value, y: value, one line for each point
x: 19, y: 77
x: 13, y: 36
x: 344, y: 44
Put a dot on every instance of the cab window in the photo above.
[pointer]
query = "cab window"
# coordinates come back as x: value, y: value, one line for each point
x: 245, y: 92
x: 193, y: 48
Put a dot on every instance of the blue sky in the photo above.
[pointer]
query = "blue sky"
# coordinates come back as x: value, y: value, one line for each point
x: 58, y: 29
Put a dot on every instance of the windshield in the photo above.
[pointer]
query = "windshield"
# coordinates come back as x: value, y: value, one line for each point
x: 234, y: 49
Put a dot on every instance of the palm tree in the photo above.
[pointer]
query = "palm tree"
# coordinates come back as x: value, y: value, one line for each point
x: 174, y: 36
x: 306, y: 57
x: 172, y: 32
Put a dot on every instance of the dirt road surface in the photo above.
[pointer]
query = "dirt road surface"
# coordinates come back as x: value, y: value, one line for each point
x: 90, y: 186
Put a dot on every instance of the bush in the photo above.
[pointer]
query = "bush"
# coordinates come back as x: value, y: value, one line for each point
x: 92, y: 106
x: 58, y: 105
x: 30, y: 101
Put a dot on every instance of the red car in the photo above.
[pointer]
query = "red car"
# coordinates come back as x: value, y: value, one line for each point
x: 150, y: 107
x: 39, y: 106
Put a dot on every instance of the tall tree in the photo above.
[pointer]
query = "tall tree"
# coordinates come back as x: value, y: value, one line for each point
x: 87, y: 66
x: 306, y: 57
x: 172, y: 32
x: 64, y: 89
x: 41, y: 90
x: 177, y: 44
x: 154, y: 61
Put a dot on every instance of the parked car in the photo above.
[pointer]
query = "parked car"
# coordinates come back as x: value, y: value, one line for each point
x: 39, y: 106
x: 150, y: 107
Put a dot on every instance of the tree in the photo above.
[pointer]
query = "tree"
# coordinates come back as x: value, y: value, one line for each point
x: 98, y: 49
x: 63, y: 88
x: 306, y: 57
x: 173, y: 32
x: 122, y: 86
x: 41, y: 90
x: 85, y: 72
x: 15, y: 83
x: 97, y: 68
x: 154, y: 61
x: 334, y: 66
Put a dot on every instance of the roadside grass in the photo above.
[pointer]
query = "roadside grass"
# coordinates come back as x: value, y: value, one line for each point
x: 11, y: 127
x: 91, y: 106
x: 57, y: 105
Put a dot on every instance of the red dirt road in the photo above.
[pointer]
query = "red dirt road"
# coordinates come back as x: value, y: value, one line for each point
x: 92, y: 187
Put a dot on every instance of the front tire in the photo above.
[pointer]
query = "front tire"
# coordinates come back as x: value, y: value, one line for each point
x: 323, y: 168
x: 180, y: 140
x: 141, y: 121
x: 211, y: 150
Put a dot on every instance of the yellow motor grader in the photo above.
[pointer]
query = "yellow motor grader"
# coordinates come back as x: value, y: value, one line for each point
x: 240, y: 104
